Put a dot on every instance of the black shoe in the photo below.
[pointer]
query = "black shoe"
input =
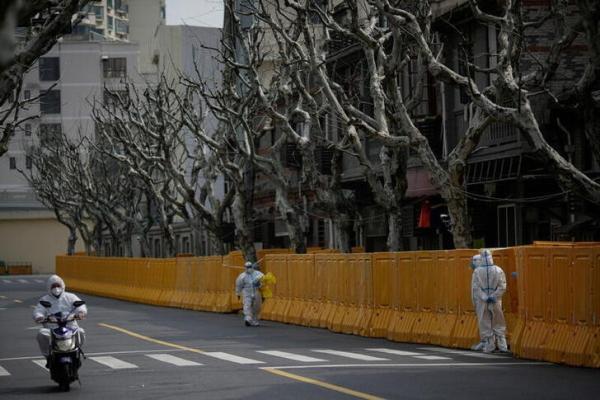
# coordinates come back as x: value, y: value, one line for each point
x: 47, y: 362
x: 247, y: 323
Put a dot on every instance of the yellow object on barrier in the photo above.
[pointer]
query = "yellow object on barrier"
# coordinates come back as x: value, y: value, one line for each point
x: 267, y: 282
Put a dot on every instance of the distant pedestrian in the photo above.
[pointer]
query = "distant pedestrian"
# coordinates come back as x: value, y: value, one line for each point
x: 247, y: 285
x: 488, y: 284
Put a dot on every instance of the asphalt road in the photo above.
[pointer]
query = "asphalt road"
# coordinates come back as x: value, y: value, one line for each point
x: 142, y: 352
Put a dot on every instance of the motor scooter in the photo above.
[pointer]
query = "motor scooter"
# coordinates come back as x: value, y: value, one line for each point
x: 65, y: 347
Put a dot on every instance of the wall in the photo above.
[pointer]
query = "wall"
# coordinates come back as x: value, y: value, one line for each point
x: 33, y: 238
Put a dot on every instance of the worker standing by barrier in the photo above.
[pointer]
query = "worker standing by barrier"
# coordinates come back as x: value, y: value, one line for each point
x: 247, y: 285
x: 488, y: 284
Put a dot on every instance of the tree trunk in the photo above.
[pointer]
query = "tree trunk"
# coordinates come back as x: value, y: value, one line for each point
x: 71, y: 241
x: 292, y: 221
x: 592, y: 128
x: 394, y: 230
x: 244, y: 233
x: 342, y: 236
x: 461, y: 226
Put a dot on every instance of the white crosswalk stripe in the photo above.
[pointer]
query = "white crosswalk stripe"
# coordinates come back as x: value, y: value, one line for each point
x: 233, y: 358
x: 397, y: 352
x: 23, y: 281
x: 3, y: 372
x: 460, y: 352
x: 291, y: 356
x: 41, y: 363
x: 6, y: 281
x: 170, y: 359
x: 113, y: 362
x: 355, y: 356
x: 432, y: 358
x: 38, y: 281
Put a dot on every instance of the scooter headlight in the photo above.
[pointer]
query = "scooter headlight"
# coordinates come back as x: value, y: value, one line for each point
x: 65, y: 345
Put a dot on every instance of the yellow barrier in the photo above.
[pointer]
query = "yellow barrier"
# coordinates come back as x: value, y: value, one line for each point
x: 552, y: 305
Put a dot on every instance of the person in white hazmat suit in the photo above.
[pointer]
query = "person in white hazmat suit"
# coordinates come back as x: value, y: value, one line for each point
x: 61, y: 301
x: 488, y: 284
x: 247, y: 285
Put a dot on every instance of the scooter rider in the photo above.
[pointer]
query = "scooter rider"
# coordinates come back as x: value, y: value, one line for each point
x: 61, y: 301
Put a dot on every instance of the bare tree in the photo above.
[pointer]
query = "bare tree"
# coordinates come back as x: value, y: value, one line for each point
x: 45, y: 22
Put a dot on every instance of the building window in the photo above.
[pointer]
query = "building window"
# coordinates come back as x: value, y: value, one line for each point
x: 27, y: 95
x: 49, y: 69
x: 111, y: 23
x: 28, y: 162
x: 49, y: 133
x: 27, y: 129
x: 50, y: 102
x: 115, y: 67
x: 12, y: 163
x: 109, y: 3
x: 122, y: 27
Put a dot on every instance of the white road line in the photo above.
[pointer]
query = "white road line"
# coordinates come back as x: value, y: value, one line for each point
x: 3, y: 372
x: 406, y: 365
x: 354, y: 356
x: 397, y: 352
x: 23, y: 281
x: 291, y: 356
x: 232, y: 358
x: 113, y: 362
x: 432, y: 358
x: 108, y: 353
x: 41, y: 363
x: 5, y: 281
x: 460, y: 352
x: 38, y: 281
x: 169, y: 359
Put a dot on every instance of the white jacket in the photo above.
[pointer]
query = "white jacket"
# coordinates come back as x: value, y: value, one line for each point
x: 248, y: 282
x: 64, y: 302
x: 488, y: 280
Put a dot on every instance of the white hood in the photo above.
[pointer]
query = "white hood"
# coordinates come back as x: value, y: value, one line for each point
x: 52, y: 280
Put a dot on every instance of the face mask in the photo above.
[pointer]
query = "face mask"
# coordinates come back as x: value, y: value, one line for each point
x: 57, y: 291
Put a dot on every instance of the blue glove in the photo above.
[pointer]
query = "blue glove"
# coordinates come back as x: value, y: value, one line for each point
x: 491, y: 300
x: 256, y: 284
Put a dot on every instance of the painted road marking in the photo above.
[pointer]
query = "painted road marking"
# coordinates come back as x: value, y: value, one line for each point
x: 462, y: 353
x: 95, y: 354
x: 3, y: 372
x: 169, y: 359
x: 5, y: 281
x: 397, y: 352
x: 432, y: 358
x: 408, y: 365
x: 23, y: 281
x: 41, y: 363
x: 113, y: 362
x: 325, y: 385
x: 291, y: 356
x: 354, y: 356
x: 233, y: 358
x: 38, y: 281
x: 18, y: 301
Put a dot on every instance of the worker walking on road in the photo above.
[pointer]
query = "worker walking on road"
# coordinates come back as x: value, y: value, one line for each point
x: 247, y: 285
x: 488, y: 284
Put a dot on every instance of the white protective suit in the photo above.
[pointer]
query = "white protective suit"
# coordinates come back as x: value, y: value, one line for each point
x: 247, y: 285
x: 488, y: 284
x: 62, y: 303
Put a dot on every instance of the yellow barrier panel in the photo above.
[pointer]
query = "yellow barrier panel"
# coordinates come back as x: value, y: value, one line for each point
x: 385, y: 285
